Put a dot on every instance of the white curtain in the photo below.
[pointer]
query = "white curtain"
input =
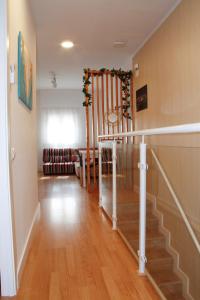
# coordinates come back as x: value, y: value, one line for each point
x: 62, y: 128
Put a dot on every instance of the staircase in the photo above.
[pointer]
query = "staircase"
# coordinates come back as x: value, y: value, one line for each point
x: 160, y: 263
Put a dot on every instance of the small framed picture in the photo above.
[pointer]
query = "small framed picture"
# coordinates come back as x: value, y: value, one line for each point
x: 141, y: 98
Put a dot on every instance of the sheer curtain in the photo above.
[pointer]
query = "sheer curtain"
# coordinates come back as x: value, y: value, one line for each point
x: 62, y: 128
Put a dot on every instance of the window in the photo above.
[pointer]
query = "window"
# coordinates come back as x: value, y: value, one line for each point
x: 62, y: 128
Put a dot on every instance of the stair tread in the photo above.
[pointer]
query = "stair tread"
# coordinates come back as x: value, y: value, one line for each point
x: 134, y: 202
x: 131, y: 207
x: 133, y: 220
x: 133, y: 214
x: 165, y: 277
x: 158, y: 240
x: 133, y: 232
x: 171, y: 293
x: 156, y: 253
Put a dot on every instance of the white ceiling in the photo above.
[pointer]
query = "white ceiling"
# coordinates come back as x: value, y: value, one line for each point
x: 93, y: 25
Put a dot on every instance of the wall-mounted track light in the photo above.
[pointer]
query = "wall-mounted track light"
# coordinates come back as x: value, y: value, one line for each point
x: 53, y: 79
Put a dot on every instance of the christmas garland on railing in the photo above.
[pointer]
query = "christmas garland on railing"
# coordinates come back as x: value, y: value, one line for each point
x: 124, y: 76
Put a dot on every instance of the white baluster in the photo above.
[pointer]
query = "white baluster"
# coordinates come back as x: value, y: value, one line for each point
x: 114, y: 159
x: 142, y: 230
x: 83, y: 168
x: 100, y: 174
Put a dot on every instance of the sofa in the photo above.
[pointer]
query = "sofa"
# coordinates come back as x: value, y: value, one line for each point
x: 60, y: 161
x: 66, y: 161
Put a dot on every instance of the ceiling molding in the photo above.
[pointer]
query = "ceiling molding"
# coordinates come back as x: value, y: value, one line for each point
x: 148, y: 37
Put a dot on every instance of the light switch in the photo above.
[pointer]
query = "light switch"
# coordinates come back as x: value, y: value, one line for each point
x: 13, y: 153
x: 12, y: 74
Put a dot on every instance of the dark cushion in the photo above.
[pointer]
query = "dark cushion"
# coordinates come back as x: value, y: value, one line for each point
x: 59, y: 168
x: 51, y: 155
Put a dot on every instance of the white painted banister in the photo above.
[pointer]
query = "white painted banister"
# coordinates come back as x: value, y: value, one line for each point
x: 100, y: 175
x: 114, y: 177
x: 184, y: 128
x: 177, y: 202
x: 179, y: 129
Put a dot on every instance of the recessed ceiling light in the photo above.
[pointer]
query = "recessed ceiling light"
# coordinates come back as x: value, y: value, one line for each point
x: 67, y: 44
x: 120, y: 44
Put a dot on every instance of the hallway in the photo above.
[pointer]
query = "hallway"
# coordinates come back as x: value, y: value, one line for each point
x: 75, y: 254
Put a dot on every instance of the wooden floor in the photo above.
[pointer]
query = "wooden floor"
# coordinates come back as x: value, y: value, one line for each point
x: 75, y: 254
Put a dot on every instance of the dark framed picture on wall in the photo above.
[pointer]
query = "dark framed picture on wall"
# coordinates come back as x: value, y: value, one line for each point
x: 141, y: 98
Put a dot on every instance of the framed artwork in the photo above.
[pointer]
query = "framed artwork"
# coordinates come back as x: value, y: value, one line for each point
x: 24, y: 73
x: 141, y: 98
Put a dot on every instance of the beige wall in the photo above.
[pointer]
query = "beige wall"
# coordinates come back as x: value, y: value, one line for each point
x: 22, y: 129
x: 170, y: 65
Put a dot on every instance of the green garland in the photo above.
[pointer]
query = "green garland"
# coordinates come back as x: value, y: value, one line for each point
x: 125, y: 78
x: 86, y: 82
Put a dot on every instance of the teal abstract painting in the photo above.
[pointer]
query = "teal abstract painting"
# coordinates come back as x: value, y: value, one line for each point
x: 24, y: 73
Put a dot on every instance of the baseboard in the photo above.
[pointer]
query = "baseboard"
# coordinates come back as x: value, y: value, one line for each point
x: 26, y: 248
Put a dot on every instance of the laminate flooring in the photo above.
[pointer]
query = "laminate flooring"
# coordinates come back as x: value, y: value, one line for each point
x: 75, y: 254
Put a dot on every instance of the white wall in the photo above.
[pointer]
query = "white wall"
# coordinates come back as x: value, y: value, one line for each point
x: 23, y: 136
x: 58, y: 98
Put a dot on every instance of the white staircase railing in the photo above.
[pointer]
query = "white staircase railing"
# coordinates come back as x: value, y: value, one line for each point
x: 179, y: 129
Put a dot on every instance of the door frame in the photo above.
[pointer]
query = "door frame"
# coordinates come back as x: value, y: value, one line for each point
x: 7, y: 253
